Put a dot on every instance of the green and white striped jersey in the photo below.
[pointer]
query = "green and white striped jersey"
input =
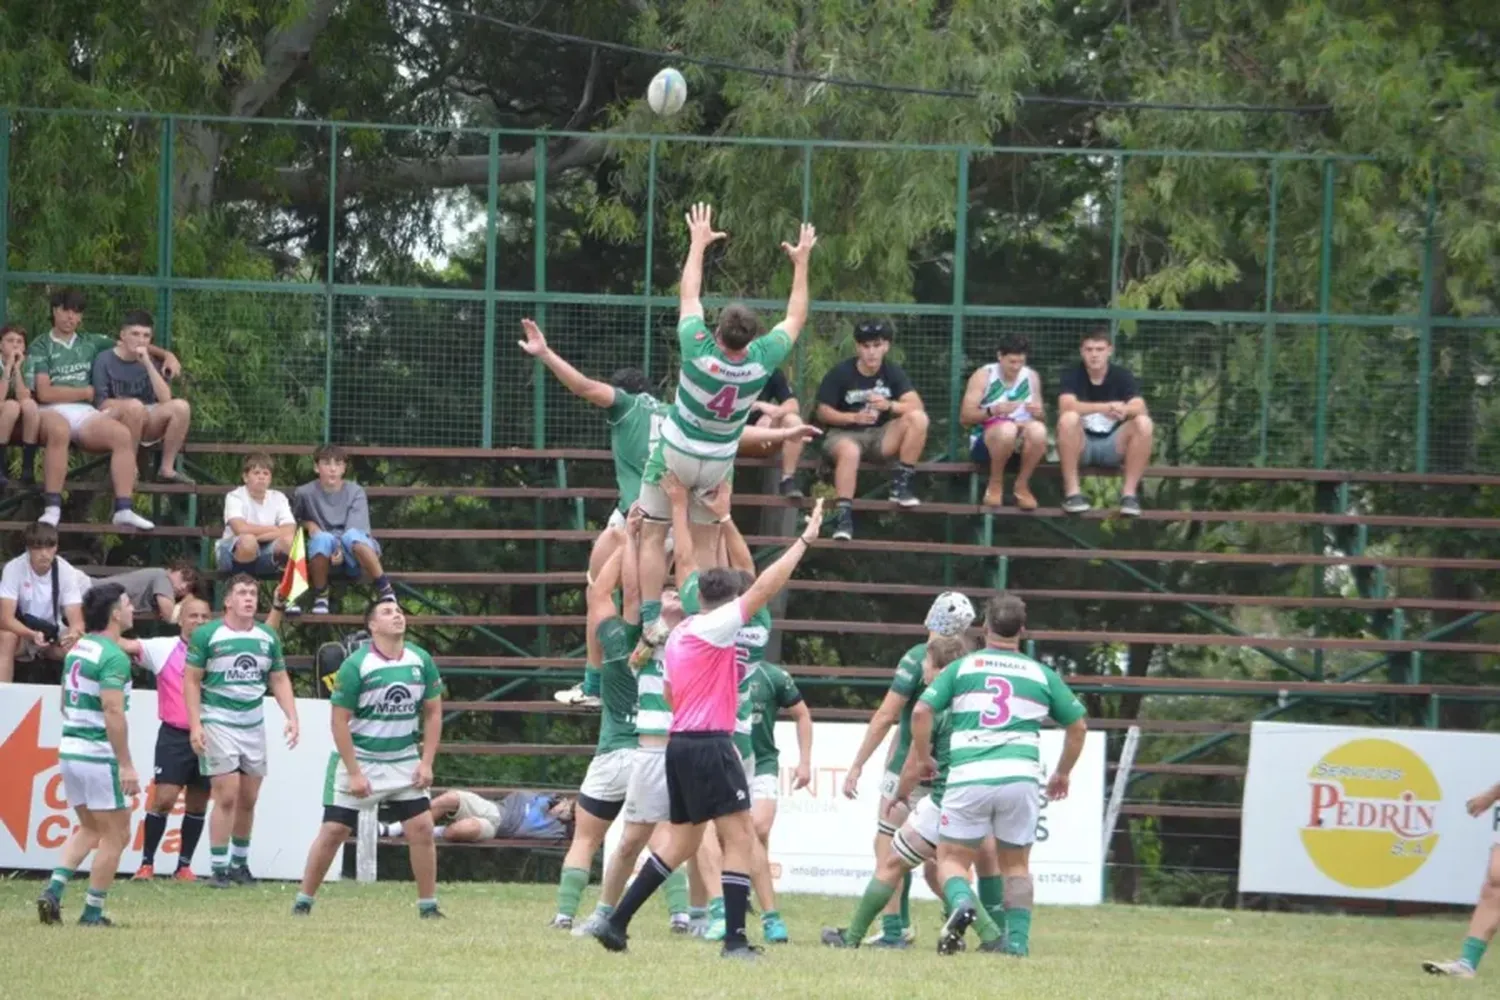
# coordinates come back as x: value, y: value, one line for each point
x: 94, y: 665
x: 997, y: 699
x: 653, y: 716
x: 744, y: 718
x: 236, y: 666
x: 617, y: 638
x: 714, y: 394
x: 386, y: 698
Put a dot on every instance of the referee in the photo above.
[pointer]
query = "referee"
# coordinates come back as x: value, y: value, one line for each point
x: 705, y: 777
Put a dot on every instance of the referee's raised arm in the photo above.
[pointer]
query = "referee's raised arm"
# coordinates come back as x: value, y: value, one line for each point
x: 776, y: 575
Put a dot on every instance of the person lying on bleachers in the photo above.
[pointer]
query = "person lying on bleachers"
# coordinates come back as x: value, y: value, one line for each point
x: 1101, y: 422
x: 516, y: 816
x: 156, y: 590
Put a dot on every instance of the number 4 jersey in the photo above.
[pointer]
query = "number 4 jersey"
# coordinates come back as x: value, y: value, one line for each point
x: 997, y: 699
x: 714, y: 394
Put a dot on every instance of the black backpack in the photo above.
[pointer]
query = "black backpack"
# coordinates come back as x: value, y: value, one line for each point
x: 331, y: 656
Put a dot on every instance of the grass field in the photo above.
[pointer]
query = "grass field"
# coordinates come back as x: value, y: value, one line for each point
x: 185, y: 940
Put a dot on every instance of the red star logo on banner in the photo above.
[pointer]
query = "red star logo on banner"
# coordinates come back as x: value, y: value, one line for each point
x: 25, y: 758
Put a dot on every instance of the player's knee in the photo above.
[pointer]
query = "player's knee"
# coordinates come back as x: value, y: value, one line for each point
x: 165, y: 798
x: 418, y: 828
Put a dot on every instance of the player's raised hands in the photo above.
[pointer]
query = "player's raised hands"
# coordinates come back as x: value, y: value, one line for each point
x: 814, y: 522
x: 806, y: 240
x: 535, y: 343
x: 718, y: 502
x: 700, y: 225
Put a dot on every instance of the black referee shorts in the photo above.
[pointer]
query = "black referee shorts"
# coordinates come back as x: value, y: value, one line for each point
x: 705, y: 778
x: 176, y: 763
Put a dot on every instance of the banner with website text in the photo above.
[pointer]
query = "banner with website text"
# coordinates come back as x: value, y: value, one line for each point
x: 823, y: 842
x: 35, y: 819
x: 1368, y: 813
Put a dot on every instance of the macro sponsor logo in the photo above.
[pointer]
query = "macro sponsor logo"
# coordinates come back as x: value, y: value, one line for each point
x: 1371, y: 814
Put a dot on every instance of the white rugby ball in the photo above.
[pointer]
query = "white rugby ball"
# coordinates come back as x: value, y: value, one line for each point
x: 667, y: 93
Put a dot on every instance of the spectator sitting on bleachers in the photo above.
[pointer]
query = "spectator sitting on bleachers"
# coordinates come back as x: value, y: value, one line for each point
x: 1002, y: 406
x: 18, y: 411
x: 41, y: 606
x: 156, y: 591
x: 870, y: 407
x: 128, y: 385
x: 336, y: 515
x: 1101, y: 421
x: 516, y: 816
x: 258, y: 522
x: 777, y: 407
x: 62, y: 364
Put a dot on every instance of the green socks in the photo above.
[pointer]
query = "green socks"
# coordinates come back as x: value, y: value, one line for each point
x: 219, y: 856
x: 570, y: 890
x: 992, y: 898
x: 592, y: 684
x: 1473, y: 951
x: 1018, y: 931
x: 985, y: 924
x: 877, y: 894
x: 650, y: 611
x: 892, y: 926
x: 716, y: 908
x: 59, y: 881
x: 906, y: 901
x: 239, y: 852
x: 957, y: 894
x: 93, y: 904
x: 303, y: 899
x: 675, y: 891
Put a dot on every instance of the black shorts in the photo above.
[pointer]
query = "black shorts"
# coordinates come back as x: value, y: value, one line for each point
x: 705, y: 777
x: 176, y: 764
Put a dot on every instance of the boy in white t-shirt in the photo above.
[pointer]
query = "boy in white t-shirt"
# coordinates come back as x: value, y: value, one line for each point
x: 258, y: 523
x: 33, y: 621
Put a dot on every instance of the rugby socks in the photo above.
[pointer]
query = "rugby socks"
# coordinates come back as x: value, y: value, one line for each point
x: 736, y: 902
x: 239, y: 852
x: 675, y: 890
x: 957, y: 894
x: 877, y: 894
x: 1473, y: 952
x: 992, y: 897
x: 986, y: 925
x: 570, y: 890
x: 593, y: 684
x: 60, y: 876
x: 156, y: 825
x: 93, y: 904
x: 650, y: 611
x: 716, y: 909
x: 219, y: 855
x: 906, y: 901
x: 892, y: 926
x: 1019, y: 892
x: 650, y: 878
x: 426, y: 905
x: 192, y: 830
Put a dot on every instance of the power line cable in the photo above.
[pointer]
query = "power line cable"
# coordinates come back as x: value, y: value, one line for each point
x: 836, y: 81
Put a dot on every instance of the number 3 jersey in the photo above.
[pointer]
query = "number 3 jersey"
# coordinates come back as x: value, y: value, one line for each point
x: 996, y: 700
x: 715, y: 394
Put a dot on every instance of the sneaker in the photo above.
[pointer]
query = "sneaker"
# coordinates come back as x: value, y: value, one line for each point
x: 128, y: 518
x: 320, y: 606
x: 574, y: 696
x: 901, y: 490
x: 774, y: 929
x: 833, y: 937
x: 843, y: 524
x: 1457, y: 969
x: 49, y: 908
x: 589, y: 926
x: 99, y: 921
x: 561, y: 922
x: 301, y: 909
x: 908, y: 934
x: 716, y: 930
x: 144, y: 873
x: 607, y: 934
x: 52, y: 515
x: 953, y: 930
x: 680, y: 924
x: 240, y: 875
x: 384, y: 594
x: 431, y: 913
x: 995, y: 947
x: 219, y: 880
x: 744, y: 952
x: 789, y: 488
x: 887, y: 944
x: 1130, y: 506
x: 1076, y: 503
x: 697, y: 925
x: 184, y: 874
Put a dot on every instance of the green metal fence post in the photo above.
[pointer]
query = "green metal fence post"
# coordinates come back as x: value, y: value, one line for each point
x: 1117, y: 241
x: 491, y: 250
x: 1424, y: 345
x: 164, y: 206
x: 4, y: 212
x: 1268, y: 342
x: 539, y: 374
x: 1325, y: 296
x: 649, y: 284
x: 960, y: 279
x: 333, y: 222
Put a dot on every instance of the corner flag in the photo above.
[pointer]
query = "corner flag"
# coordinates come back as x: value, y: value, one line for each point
x: 294, y: 579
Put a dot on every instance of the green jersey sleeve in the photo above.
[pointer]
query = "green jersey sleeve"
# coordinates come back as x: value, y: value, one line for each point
x: 616, y: 638
x: 772, y: 349
x: 690, y: 331
x: 784, y: 689
x: 114, y: 670
x: 432, y: 681
x: 688, y: 592
x: 99, y: 342
x: 1066, y: 708
x: 939, y: 694
x: 622, y: 404
x: 37, y: 359
x: 197, y: 651
x: 346, y: 684
x: 28, y: 372
x: 908, y: 678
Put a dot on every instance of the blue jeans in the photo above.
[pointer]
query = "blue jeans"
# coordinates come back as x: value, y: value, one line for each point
x: 264, y: 565
x: 326, y: 543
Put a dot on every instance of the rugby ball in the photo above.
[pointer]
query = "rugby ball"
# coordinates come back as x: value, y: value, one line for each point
x: 667, y: 93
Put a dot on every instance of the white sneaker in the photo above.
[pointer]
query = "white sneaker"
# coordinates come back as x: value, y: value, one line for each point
x: 130, y: 519
x: 575, y: 696
x: 1457, y: 969
x: 52, y: 516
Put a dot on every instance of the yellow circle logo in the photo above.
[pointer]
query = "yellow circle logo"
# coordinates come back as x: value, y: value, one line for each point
x: 1372, y: 814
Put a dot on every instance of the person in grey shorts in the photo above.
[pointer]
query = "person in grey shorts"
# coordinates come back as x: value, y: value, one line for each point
x: 1101, y: 423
